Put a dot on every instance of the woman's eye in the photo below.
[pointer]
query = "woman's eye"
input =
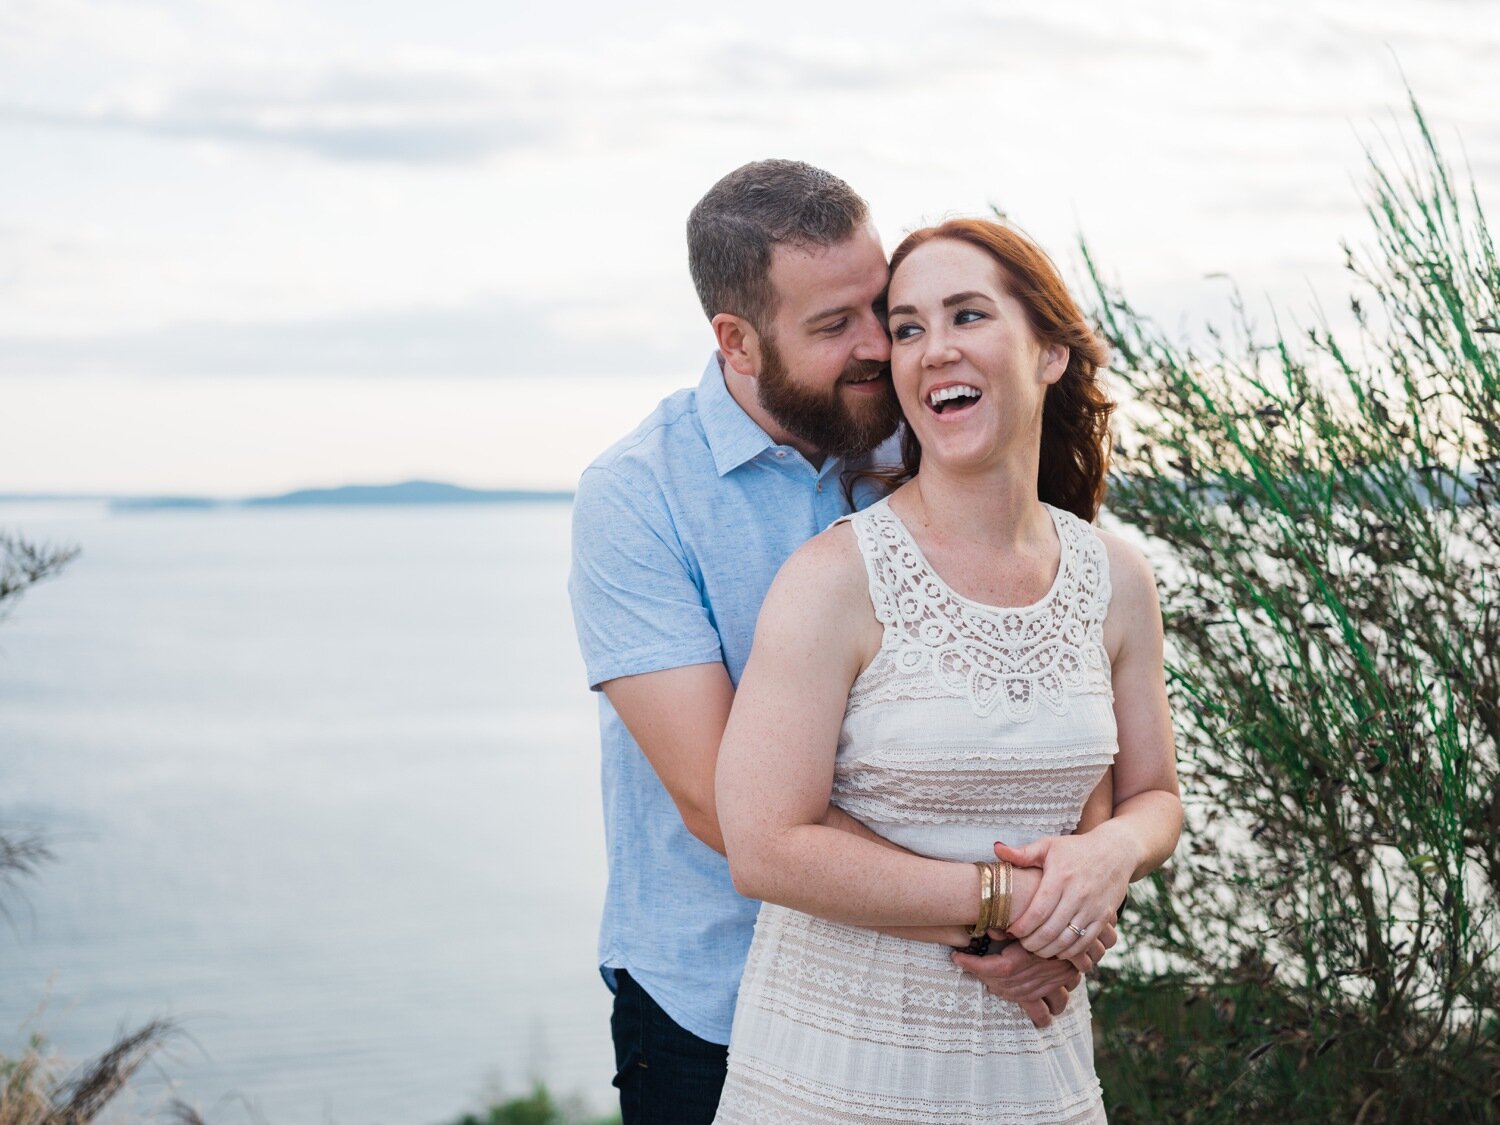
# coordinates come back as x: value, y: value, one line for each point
x: 967, y: 316
x: 904, y: 331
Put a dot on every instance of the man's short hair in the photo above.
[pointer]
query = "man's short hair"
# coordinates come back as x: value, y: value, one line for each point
x: 734, y: 228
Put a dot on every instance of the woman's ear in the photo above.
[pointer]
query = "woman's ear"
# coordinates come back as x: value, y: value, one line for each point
x: 1055, y: 361
x: 738, y: 342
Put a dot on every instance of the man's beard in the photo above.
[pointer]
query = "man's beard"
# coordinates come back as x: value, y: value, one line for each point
x: 823, y: 418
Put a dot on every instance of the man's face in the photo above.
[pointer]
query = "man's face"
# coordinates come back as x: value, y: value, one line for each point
x: 825, y: 374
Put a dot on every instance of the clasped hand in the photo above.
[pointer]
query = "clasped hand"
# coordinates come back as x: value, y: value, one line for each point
x: 1039, y: 985
x: 1084, y: 880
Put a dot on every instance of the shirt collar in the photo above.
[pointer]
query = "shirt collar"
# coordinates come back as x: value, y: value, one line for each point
x: 733, y: 437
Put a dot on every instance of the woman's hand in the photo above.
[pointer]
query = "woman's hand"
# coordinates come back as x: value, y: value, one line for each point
x: 1083, y: 882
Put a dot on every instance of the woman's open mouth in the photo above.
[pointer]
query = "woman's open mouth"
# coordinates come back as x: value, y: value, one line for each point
x: 954, y: 398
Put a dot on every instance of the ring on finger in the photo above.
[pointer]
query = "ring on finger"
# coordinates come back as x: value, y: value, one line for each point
x: 1080, y: 932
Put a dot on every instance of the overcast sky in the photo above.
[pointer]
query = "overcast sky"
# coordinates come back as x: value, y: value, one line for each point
x: 248, y: 245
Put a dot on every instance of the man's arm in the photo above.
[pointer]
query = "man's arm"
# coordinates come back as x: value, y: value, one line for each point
x: 677, y: 718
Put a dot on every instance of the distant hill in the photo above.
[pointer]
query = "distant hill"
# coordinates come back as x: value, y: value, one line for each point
x: 129, y: 503
x: 408, y: 492
x: 405, y: 493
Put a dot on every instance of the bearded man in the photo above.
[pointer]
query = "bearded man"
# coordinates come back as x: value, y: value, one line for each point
x: 678, y: 530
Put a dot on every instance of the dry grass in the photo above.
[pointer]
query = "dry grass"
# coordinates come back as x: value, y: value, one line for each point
x: 37, y: 1089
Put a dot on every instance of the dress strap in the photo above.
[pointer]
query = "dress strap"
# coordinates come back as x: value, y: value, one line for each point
x: 874, y: 531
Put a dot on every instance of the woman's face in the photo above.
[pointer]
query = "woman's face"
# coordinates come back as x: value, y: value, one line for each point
x: 969, y: 372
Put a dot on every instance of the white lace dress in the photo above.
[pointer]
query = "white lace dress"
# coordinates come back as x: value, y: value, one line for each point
x: 972, y: 724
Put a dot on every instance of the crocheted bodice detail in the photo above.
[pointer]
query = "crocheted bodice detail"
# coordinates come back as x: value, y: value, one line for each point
x: 936, y: 642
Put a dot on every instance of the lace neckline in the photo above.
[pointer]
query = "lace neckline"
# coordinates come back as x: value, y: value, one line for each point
x: 1064, y: 550
x: 936, y: 642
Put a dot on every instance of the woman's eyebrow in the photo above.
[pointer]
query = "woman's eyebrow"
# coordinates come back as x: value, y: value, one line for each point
x: 968, y: 295
x: 948, y: 302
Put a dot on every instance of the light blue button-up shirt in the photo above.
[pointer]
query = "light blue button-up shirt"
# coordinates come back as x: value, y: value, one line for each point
x: 678, y: 530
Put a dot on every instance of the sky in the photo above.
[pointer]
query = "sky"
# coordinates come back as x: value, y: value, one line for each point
x: 255, y: 245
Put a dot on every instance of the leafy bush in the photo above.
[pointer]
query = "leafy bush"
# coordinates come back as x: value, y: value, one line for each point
x: 1324, y: 519
x: 536, y: 1108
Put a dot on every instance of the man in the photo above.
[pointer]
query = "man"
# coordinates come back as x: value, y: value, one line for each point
x: 678, y: 530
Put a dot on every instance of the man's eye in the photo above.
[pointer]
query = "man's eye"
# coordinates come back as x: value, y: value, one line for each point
x: 836, y: 327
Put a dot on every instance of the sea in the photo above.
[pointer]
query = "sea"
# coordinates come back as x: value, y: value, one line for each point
x: 320, y: 787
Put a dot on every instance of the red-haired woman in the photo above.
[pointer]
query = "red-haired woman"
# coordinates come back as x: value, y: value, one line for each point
x: 959, y: 664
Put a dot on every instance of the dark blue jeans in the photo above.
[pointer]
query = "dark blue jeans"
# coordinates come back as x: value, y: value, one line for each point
x: 666, y: 1075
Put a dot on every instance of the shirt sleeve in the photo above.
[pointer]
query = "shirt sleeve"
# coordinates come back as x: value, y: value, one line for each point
x: 637, y: 604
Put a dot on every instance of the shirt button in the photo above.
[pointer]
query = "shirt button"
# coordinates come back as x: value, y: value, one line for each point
x: 820, y: 486
x: 781, y: 453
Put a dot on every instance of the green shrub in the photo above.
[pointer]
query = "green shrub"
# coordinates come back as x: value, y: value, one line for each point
x: 1323, y: 514
x: 535, y: 1108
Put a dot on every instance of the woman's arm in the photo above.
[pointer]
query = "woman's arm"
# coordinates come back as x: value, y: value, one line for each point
x: 775, y: 769
x: 1085, y: 875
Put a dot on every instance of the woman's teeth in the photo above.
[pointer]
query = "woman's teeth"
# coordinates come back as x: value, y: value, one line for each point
x: 940, y: 398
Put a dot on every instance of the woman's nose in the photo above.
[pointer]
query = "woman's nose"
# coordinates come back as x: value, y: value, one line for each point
x: 939, y: 350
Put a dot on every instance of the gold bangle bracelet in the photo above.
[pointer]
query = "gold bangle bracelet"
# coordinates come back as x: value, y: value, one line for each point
x: 992, y: 922
x: 1002, y: 896
x: 986, y: 898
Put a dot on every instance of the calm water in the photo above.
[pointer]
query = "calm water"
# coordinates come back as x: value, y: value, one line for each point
x: 323, y: 787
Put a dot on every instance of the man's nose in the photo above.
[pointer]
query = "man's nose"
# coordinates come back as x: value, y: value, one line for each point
x: 874, y: 344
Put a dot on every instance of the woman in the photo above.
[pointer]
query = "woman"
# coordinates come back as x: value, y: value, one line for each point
x: 956, y: 665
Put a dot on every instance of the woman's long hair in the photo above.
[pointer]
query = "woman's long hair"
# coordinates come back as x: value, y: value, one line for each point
x: 1075, y: 411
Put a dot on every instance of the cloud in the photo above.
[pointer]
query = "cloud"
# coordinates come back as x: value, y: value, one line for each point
x: 453, y: 105
x: 498, y: 337
x: 332, y: 136
x: 396, y: 115
x: 1012, y: 37
x: 764, y: 67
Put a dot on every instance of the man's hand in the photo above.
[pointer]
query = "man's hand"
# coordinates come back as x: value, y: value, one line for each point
x: 1039, y: 986
x: 1088, y: 960
x: 954, y: 937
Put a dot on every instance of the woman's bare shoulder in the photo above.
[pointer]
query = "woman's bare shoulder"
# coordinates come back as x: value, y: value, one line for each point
x: 827, y: 568
x: 1133, y: 600
x: 817, y: 614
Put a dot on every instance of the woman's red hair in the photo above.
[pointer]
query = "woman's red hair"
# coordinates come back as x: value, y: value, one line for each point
x: 1075, y: 412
